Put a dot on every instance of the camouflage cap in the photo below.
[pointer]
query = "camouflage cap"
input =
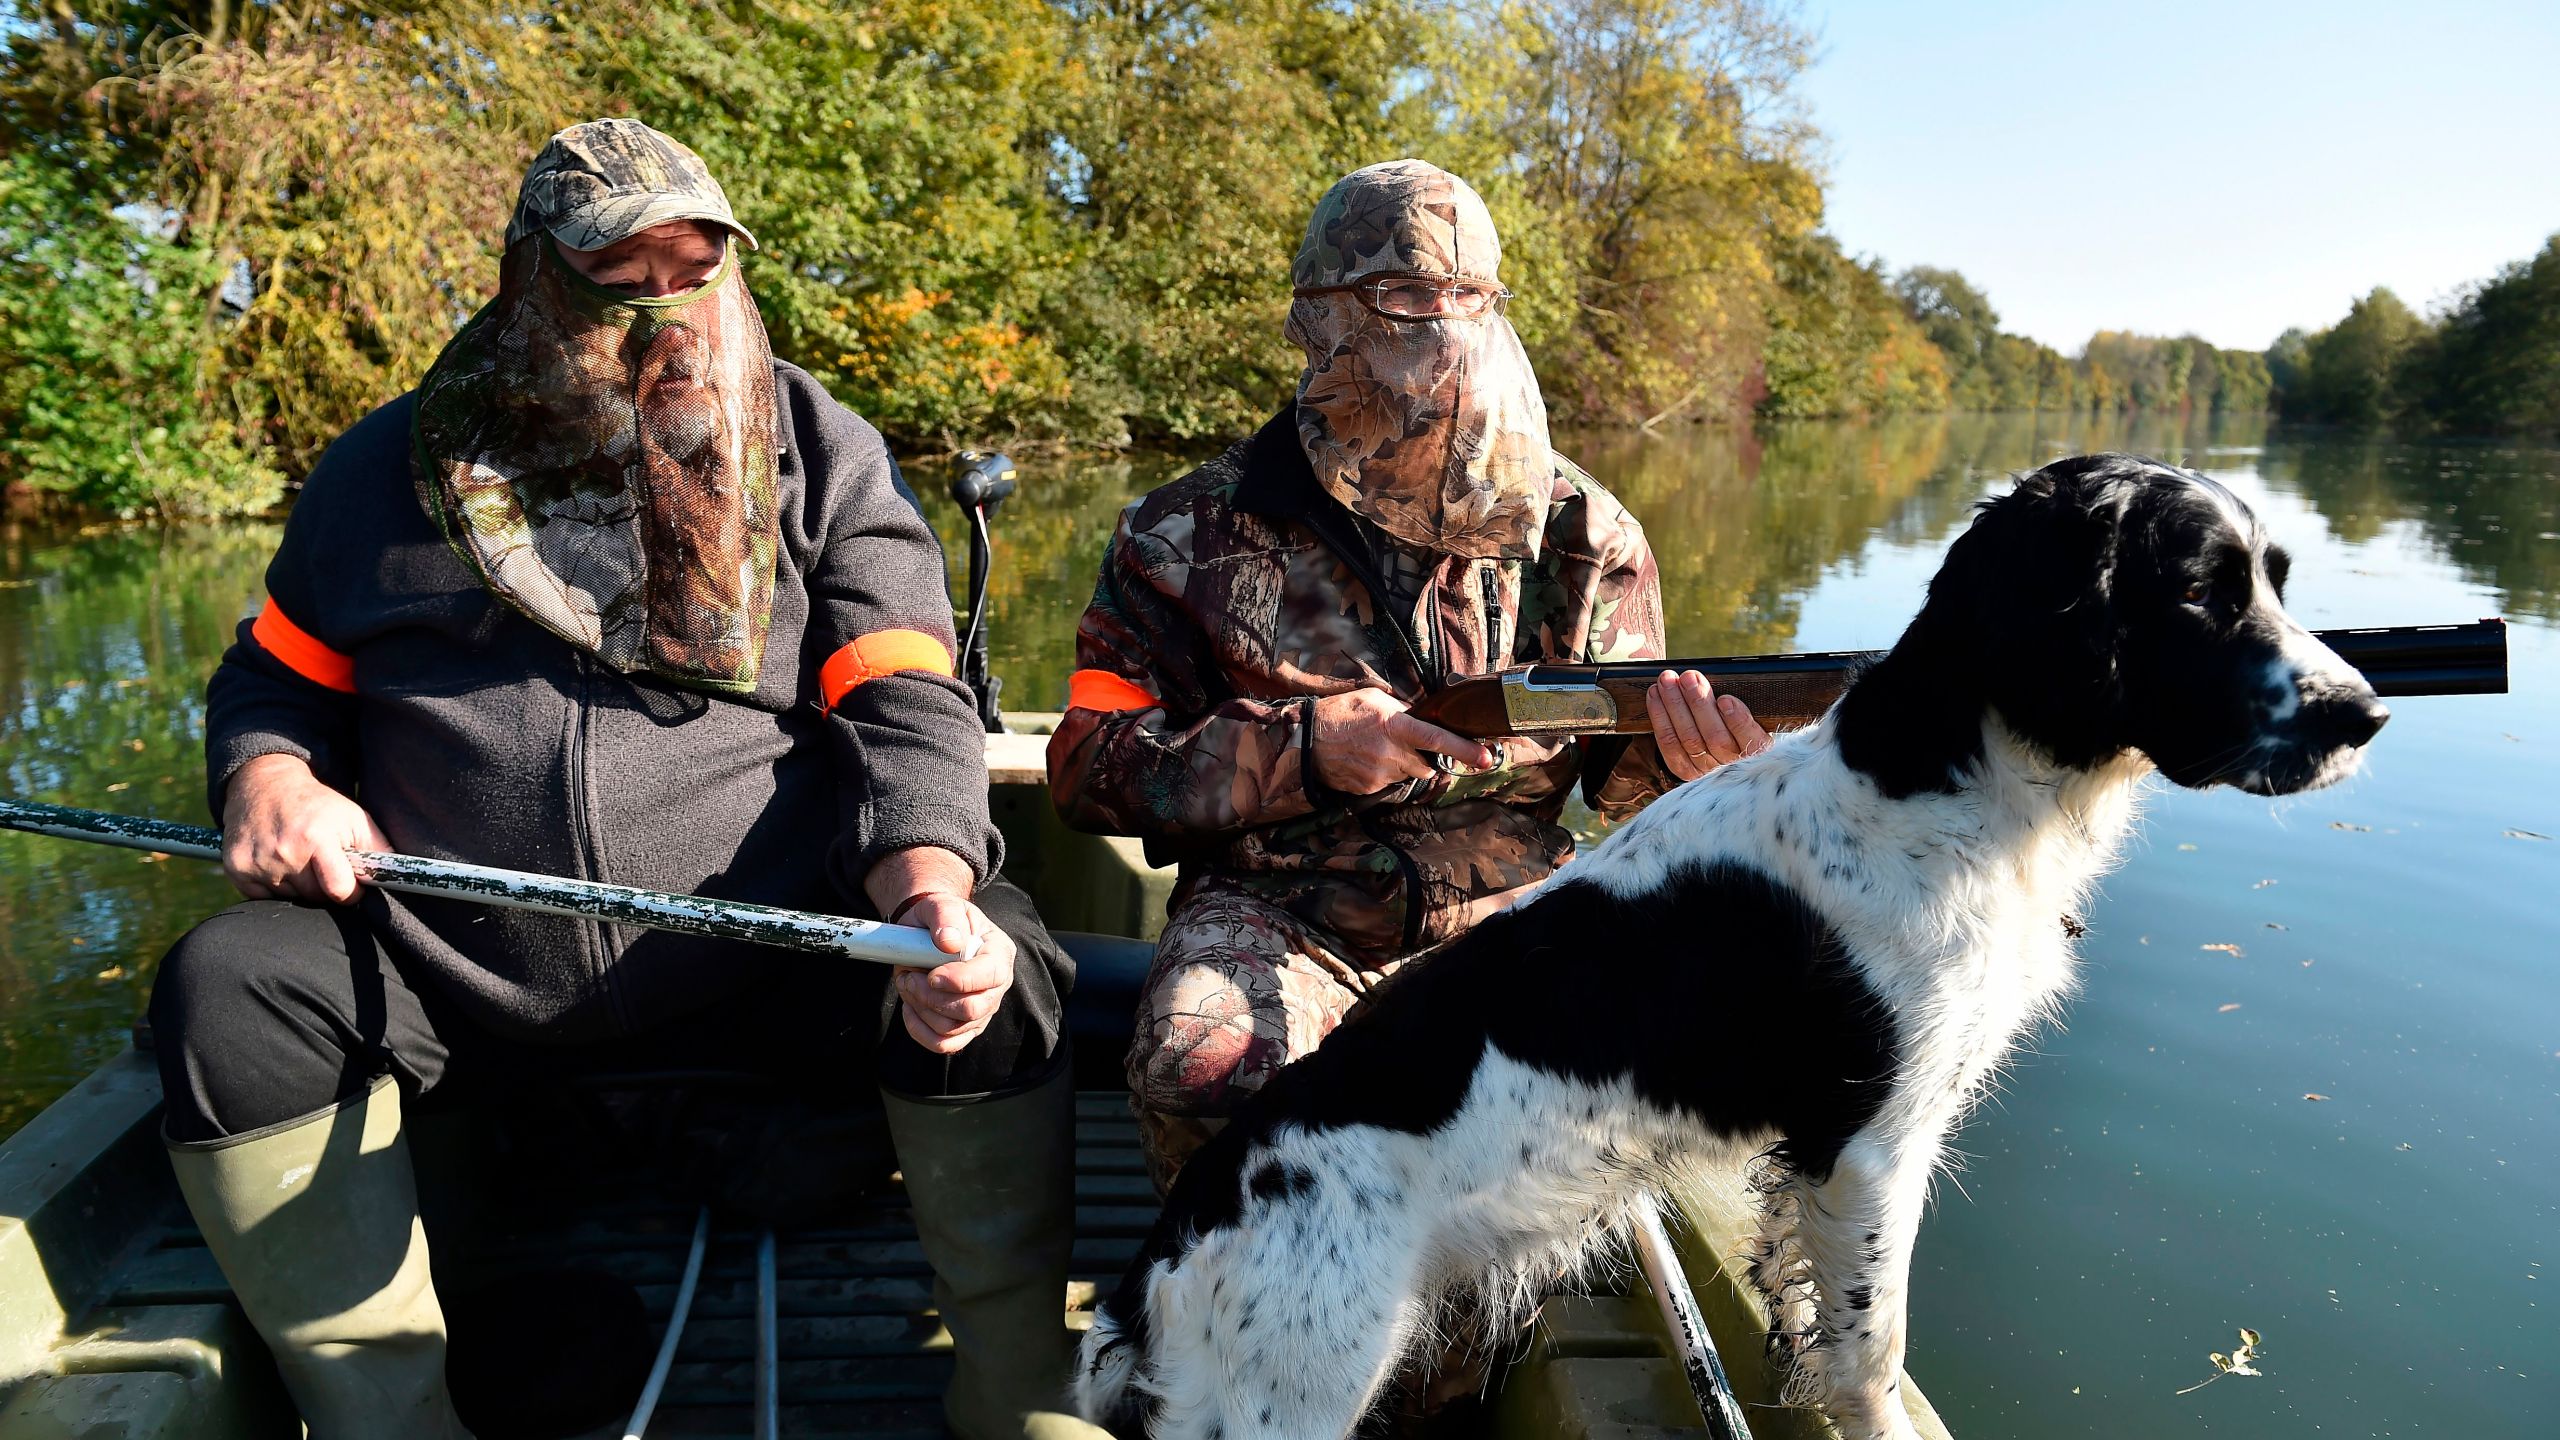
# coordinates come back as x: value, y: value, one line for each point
x: 608, y: 180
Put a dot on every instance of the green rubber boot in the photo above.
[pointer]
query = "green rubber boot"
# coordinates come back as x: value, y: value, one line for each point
x: 315, y: 1224
x: 993, y: 1186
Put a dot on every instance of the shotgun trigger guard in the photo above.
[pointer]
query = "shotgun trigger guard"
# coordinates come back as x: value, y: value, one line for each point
x: 1567, y: 707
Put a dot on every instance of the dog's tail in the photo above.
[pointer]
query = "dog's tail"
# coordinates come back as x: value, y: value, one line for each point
x: 1105, y: 1365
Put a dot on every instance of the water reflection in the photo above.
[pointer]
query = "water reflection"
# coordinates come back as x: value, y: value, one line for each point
x: 2491, y: 512
x: 105, y: 641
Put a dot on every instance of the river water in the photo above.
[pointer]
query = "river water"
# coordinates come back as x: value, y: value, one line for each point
x: 2152, y: 1177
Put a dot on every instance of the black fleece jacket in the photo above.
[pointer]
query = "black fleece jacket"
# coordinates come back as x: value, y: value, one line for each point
x: 471, y: 733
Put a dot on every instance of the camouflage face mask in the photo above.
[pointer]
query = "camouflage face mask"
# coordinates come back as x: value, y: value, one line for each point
x: 1431, y: 429
x: 606, y: 464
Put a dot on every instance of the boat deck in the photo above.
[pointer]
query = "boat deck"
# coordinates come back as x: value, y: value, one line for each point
x: 860, y: 1352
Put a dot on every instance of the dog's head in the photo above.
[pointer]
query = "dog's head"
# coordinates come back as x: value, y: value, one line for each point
x: 2111, y: 603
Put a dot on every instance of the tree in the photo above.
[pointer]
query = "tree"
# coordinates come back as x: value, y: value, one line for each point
x: 2494, y: 364
x: 2352, y: 371
x: 1956, y: 317
x: 1839, y: 342
x: 1645, y: 160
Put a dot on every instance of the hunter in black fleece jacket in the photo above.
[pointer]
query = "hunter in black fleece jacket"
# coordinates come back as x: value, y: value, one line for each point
x: 471, y: 733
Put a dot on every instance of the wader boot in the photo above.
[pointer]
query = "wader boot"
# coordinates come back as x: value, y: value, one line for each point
x: 315, y: 1224
x: 993, y: 1186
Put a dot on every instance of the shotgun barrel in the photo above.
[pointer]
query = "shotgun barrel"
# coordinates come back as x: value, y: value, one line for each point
x: 1787, y: 691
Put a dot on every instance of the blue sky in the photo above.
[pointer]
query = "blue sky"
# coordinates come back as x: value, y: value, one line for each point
x: 2227, y: 169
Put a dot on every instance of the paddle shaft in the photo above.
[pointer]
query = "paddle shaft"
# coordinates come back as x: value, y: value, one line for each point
x: 802, y: 930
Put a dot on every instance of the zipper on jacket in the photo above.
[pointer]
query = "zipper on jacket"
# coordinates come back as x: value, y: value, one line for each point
x: 1356, y: 558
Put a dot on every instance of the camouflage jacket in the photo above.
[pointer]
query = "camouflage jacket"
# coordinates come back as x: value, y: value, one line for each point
x: 1232, y: 598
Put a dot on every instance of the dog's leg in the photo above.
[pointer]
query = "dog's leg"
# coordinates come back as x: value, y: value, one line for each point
x: 1855, y: 1231
x: 1286, y: 1326
x: 1777, y: 1263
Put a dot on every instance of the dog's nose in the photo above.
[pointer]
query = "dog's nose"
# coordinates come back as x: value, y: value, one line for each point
x: 2349, y: 720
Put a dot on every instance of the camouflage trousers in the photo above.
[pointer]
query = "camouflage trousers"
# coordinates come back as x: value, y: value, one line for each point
x: 1239, y: 988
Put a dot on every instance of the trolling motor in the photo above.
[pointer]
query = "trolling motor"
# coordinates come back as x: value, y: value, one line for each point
x: 980, y: 481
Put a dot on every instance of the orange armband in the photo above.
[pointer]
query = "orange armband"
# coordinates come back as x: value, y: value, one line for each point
x: 882, y: 652
x: 300, y: 653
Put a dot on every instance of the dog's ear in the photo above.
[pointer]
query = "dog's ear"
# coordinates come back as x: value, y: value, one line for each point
x: 2019, y: 619
x: 2040, y: 592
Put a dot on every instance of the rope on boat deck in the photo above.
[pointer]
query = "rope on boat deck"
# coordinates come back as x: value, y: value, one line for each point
x: 768, y: 1342
x: 1698, y: 1358
x: 666, y: 1360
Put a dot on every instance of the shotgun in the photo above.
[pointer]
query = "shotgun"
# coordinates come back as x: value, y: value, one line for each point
x: 1786, y: 691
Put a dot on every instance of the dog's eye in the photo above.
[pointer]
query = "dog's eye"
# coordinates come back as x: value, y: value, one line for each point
x: 2198, y: 593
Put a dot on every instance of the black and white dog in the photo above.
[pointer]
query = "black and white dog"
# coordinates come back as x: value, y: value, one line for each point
x: 1816, y: 955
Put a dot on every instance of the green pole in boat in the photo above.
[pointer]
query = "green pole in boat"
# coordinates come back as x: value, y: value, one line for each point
x: 519, y: 890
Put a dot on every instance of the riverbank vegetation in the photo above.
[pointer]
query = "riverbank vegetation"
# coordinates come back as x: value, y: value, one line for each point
x: 232, y: 228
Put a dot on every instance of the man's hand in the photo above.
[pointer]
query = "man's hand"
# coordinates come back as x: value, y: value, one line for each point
x: 1364, y: 742
x: 948, y: 1006
x: 285, y: 836
x: 1696, y: 729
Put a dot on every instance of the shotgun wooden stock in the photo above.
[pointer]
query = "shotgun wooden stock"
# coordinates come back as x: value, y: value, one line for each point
x: 1786, y: 691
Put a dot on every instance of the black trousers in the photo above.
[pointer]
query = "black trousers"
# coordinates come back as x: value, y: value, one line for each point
x: 272, y: 1011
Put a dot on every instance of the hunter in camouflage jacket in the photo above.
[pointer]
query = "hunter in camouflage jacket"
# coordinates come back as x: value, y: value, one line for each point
x: 1228, y: 601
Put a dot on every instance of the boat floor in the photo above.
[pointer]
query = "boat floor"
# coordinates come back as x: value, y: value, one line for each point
x: 861, y: 1352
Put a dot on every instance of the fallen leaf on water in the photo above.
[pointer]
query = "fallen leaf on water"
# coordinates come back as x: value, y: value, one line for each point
x: 2525, y: 835
x: 2225, y: 946
x: 2313, y: 1095
x: 2186, y: 847
x: 119, y: 785
x: 112, y: 972
x: 2343, y: 825
x: 77, y: 942
x: 2227, y: 1009
x: 2241, y: 1361
x: 155, y: 857
x: 2261, y: 885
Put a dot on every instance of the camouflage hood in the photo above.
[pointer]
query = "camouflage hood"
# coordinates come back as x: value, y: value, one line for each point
x: 606, y: 464
x: 1433, y: 430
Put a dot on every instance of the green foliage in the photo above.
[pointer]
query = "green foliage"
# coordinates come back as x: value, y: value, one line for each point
x: 1194, y: 140
x: 1839, y: 342
x: 1645, y: 161
x: 101, y: 344
x: 2493, y: 365
x: 992, y: 221
x: 2362, y: 371
x: 888, y: 157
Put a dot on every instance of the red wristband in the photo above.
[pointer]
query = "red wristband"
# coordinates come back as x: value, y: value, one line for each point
x: 910, y: 903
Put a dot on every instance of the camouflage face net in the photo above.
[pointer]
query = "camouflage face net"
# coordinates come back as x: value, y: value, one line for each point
x: 606, y: 464
x: 1432, y: 429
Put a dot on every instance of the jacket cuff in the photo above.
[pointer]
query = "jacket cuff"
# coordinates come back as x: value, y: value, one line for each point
x: 224, y: 756
x: 883, y: 829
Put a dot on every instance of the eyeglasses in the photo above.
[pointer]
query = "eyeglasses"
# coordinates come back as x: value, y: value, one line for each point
x: 1420, y: 297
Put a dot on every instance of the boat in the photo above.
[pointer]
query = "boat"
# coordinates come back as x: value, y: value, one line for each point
x: 114, y: 1320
